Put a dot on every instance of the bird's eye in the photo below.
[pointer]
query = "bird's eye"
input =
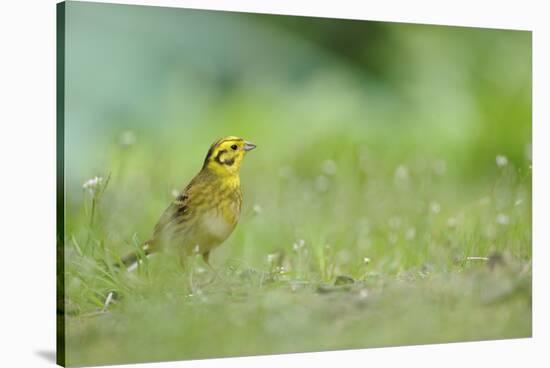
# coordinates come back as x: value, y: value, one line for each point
x: 234, y: 147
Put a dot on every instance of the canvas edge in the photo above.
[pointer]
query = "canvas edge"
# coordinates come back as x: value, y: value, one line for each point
x: 60, y: 183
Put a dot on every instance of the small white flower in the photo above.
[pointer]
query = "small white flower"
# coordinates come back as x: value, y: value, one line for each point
x: 503, y: 219
x: 501, y: 160
x: 329, y: 167
x: 402, y: 173
x: 366, y: 260
x: 435, y: 207
x: 363, y: 294
x: 298, y: 245
x: 92, y: 184
x: 257, y: 209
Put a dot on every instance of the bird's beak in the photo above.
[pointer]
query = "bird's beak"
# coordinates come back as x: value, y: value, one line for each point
x: 249, y: 146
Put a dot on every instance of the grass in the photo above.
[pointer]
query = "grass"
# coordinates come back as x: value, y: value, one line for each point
x: 337, y: 248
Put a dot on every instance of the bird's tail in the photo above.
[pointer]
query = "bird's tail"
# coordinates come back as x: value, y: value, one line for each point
x: 131, y: 260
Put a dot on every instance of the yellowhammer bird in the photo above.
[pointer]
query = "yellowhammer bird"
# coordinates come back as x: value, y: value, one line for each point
x: 205, y: 213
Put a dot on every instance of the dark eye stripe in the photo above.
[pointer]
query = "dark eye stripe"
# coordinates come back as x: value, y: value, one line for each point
x: 218, y: 156
x: 227, y: 161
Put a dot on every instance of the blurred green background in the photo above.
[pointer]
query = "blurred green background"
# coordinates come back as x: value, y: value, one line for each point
x: 387, y: 153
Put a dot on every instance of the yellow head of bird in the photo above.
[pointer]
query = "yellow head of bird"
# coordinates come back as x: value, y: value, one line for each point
x: 226, y: 154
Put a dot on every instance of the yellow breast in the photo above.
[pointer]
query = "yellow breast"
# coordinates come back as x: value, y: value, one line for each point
x: 217, y: 225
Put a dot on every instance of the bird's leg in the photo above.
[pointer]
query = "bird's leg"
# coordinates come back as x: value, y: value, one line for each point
x: 188, y: 269
x: 206, y: 257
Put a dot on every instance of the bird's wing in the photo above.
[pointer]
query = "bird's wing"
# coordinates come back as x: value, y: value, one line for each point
x: 179, y: 212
